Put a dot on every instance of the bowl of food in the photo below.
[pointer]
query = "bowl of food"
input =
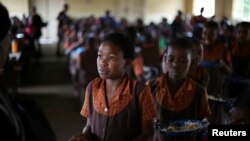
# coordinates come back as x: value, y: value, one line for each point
x: 182, y: 127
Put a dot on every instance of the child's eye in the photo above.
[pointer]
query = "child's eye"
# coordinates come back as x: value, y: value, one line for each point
x: 170, y: 59
x: 111, y: 58
x: 99, y: 56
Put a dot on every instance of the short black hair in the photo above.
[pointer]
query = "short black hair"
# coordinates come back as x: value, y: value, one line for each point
x: 182, y: 43
x: 244, y: 25
x: 122, y: 42
x: 130, y: 32
x: 212, y: 25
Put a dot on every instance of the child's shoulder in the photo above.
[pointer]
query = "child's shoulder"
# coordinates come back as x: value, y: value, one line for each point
x: 193, y: 82
x: 96, y: 82
x: 156, y: 80
x: 198, y: 87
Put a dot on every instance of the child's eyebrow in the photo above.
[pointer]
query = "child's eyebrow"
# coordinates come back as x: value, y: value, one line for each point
x: 112, y: 53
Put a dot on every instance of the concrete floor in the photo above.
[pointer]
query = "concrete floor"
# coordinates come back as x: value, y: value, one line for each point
x: 49, y: 84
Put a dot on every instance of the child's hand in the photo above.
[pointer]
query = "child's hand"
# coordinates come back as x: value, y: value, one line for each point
x: 80, y: 137
x: 158, y: 137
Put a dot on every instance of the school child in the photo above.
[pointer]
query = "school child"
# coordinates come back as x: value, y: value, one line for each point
x: 177, y: 96
x: 218, y: 64
x: 116, y: 106
x: 216, y: 60
x: 240, y: 60
x: 198, y: 73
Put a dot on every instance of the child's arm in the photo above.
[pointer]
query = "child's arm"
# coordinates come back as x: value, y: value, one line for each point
x: 85, y: 136
x: 147, y: 131
x: 87, y: 129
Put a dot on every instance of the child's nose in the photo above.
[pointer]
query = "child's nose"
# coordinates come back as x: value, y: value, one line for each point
x: 175, y: 63
x: 104, y: 62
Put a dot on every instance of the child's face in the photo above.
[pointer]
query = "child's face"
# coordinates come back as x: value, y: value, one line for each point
x: 210, y: 35
x: 243, y: 34
x: 177, y: 62
x: 198, y: 54
x: 110, y: 61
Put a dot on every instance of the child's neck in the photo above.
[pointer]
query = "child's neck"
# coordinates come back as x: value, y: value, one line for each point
x: 114, y: 82
x: 111, y: 86
x: 174, y: 85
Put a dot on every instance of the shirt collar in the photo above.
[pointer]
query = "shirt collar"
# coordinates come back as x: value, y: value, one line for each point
x: 122, y: 89
x: 186, y: 86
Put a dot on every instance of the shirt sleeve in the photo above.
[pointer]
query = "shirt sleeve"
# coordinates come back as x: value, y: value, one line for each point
x: 85, y: 108
x: 147, y: 108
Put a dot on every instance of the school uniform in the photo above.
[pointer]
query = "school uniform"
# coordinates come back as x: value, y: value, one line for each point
x: 121, y: 118
x: 190, y: 101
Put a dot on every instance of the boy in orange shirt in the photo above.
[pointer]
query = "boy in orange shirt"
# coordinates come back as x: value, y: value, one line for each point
x: 176, y: 95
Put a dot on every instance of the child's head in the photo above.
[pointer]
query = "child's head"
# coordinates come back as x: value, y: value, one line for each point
x: 210, y: 32
x: 197, y: 52
x: 4, y: 40
x: 177, y: 58
x: 114, y: 54
x: 243, y: 29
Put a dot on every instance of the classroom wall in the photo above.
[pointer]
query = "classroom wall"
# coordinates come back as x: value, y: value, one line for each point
x: 188, y: 6
x: 16, y: 7
x: 223, y: 8
x: 149, y: 10
x: 130, y: 9
x: 83, y: 8
x: 155, y: 10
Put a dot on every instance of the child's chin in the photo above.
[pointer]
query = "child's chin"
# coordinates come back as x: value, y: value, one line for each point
x: 103, y: 76
x: 177, y: 76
